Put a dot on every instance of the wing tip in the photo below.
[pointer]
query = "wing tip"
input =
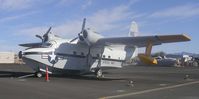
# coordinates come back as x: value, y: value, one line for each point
x: 20, y: 44
x: 186, y: 37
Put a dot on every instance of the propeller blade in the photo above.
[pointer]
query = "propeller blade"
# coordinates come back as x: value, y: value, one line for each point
x: 83, y: 25
x: 87, y: 42
x: 48, y: 30
x: 45, y: 36
x: 73, y: 39
x: 40, y: 37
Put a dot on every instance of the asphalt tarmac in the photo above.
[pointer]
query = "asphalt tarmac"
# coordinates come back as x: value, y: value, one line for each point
x: 131, y: 82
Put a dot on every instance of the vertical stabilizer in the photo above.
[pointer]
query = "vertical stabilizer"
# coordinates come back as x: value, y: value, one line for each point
x: 133, y: 29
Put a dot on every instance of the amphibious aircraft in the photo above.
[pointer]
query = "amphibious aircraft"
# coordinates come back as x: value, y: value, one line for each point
x: 90, y: 52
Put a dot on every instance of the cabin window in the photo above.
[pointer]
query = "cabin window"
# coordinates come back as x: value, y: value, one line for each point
x: 82, y: 53
x: 109, y: 56
x: 74, y: 52
x: 104, y: 56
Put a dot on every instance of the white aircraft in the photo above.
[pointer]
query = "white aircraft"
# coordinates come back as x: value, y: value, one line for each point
x: 90, y: 52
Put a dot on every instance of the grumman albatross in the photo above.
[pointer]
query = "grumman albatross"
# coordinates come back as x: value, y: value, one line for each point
x: 90, y: 52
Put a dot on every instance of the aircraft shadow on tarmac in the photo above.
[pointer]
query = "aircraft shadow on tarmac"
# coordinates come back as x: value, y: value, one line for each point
x: 17, y: 74
x: 6, y: 74
x: 85, y: 77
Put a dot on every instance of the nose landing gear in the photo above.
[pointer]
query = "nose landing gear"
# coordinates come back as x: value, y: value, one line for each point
x: 38, y: 74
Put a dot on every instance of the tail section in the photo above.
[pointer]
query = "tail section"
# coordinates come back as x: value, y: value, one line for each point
x: 133, y: 29
x: 132, y: 33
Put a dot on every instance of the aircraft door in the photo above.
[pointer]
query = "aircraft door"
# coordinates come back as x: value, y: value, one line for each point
x: 94, y: 57
x: 88, y: 58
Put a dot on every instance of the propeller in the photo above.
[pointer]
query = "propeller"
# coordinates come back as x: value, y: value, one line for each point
x: 80, y: 35
x: 44, y: 38
x: 83, y: 25
x: 73, y: 39
x: 40, y: 37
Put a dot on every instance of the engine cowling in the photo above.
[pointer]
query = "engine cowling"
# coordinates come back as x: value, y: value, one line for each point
x: 89, y: 36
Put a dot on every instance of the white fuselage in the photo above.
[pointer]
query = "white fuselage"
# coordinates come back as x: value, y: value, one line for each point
x: 77, y: 57
x: 90, y: 51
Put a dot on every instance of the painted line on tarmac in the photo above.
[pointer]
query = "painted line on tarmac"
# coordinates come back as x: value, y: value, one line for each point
x: 25, y: 76
x: 149, y: 90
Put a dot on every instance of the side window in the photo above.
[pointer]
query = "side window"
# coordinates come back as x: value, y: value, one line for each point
x: 109, y: 56
x: 104, y: 56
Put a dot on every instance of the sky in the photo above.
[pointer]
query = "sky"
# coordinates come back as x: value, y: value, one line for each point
x: 21, y: 20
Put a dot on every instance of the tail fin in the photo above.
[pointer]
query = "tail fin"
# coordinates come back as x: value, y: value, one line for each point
x: 133, y: 29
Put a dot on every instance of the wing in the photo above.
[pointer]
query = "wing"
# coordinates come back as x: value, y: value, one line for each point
x: 142, y: 41
x: 31, y: 44
x: 34, y: 44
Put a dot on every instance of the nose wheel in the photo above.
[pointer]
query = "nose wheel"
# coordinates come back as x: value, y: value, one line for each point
x: 38, y: 74
x: 99, y: 73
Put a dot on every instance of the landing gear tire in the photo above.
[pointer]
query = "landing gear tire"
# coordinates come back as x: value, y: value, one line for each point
x: 38, y: 74
x: 99, y: 73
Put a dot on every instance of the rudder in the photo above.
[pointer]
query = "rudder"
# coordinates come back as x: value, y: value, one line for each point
x: 133, y: 29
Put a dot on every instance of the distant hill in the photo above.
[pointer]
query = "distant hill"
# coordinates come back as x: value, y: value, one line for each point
x: 183, y: 53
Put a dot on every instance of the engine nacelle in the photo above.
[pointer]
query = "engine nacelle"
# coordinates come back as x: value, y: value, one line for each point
x: 147, y: 59
x: 89, y: 36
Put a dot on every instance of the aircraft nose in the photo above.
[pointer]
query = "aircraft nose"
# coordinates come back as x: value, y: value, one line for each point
x: 20, y: 54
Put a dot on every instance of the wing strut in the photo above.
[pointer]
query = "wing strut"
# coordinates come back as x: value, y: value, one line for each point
x: 146, y: 57
x: 148, y: 48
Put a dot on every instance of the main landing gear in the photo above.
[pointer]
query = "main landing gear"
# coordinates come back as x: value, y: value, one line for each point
x: 99, y: 73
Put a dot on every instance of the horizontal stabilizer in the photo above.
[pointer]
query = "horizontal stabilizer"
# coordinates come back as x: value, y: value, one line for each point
x: 34, y: 44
